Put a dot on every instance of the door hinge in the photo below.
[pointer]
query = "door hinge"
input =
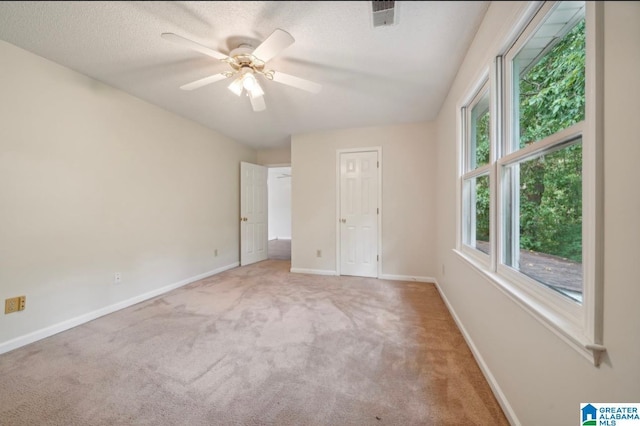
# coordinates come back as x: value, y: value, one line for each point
x: 378, y: 210
x: 377, y: 164
x: 378, y: 257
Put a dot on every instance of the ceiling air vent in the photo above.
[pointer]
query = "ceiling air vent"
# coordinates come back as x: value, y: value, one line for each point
x: 383, y: 13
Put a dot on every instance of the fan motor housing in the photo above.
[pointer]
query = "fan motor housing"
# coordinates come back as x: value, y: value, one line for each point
x: 242, y: 50
x: 243, y: 57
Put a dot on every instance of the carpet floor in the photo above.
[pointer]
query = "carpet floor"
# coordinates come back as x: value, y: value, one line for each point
x: 256, y: 345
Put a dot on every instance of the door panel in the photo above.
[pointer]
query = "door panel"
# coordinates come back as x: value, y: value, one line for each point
x: 359, y: 214
x: 253, y: 213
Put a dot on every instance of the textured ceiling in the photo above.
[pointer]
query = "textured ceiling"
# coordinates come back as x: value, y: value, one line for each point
x: 370, y: 76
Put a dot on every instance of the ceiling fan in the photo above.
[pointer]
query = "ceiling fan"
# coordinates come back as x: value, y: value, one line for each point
x: 246, y: 62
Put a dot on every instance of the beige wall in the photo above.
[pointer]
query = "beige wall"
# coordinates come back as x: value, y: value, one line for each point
x: 94, y: 181
x: 542, y: 378
x: 408, y: 191
x: 274, y: 156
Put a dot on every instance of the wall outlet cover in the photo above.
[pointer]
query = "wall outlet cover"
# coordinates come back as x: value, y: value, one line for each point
x: 14, y: 304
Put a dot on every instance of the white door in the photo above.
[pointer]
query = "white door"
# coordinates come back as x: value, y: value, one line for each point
x: 359, y: 214
x: 253, y: 213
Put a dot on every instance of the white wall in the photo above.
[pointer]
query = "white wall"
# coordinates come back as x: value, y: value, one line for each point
x: 543, y: 379
x: 279, y: 203
x: 408, y: 192
x: 94, y: 181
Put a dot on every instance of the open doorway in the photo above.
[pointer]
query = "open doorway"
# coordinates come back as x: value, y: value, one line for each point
x: 279, y: 207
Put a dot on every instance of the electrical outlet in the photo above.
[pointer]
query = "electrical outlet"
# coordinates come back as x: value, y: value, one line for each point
x: 215, y: 253
x: 15, y: 304
x: 318, y: 253
x: 117, y: 278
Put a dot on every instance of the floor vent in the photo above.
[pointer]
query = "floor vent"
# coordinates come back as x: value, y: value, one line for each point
x: 383, y: 13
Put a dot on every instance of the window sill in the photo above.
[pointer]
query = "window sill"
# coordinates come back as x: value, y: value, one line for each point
x: 542, y: 312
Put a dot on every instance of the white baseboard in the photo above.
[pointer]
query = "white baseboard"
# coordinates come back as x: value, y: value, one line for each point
x: 407, y: 278
x: 90, y: 316
x: 495, y: 387
x: 312, y: 271
x: 383, y: 276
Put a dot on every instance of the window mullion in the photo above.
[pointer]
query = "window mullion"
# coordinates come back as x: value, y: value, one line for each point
x: 497, y: 114
x: 545, y: 145
x: 484, y: 170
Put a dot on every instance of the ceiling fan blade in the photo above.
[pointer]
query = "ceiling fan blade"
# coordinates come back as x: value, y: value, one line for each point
x: 193, y: 45
x: 274, y: 44
x: 257, y: 103
x: 203, y: 82
x: 297, y: 82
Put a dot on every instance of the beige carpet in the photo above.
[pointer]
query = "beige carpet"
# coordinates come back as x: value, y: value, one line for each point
x: 256, y: 346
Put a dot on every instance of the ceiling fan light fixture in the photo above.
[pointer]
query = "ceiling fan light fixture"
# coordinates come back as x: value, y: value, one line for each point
x: 236, y: 86
x: 249, y: 81
x: 256, y: 91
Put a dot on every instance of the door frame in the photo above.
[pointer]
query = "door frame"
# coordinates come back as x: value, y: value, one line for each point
x: 273, y: 166
x: 377, y: 149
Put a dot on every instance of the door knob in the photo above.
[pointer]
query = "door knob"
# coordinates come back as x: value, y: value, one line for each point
x: 343, y: 220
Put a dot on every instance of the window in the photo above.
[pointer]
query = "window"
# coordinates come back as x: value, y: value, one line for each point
x: 542, y: 179
x: 540, y: 173
x: 476, y: 211
x: 543, y: 236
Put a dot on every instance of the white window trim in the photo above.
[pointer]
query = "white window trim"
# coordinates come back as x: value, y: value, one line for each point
x: 580, y: 326
x: 486, y: 169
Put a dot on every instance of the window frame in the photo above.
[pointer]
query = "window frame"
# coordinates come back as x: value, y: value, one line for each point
x: 579, y: 325
x: 468, y: 211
